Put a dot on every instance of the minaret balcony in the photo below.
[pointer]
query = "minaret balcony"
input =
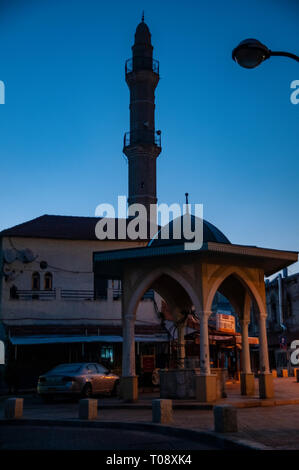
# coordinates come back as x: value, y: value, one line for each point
x: 142, y: 137
x: 142, y: 63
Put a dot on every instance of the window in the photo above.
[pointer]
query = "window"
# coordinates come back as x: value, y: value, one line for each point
x: 107, y: 353
x: 100, y: 288
x: 48, y: 281
x: 14, y: 292
x: 101, y: 369
x: 35, y: 281
x: 91, y: 369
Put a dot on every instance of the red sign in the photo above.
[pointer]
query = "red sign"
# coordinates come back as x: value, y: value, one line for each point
x: 148, y: 363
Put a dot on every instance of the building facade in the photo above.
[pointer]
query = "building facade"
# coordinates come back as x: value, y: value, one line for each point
x: 283, y: 318
x: 51, y: 312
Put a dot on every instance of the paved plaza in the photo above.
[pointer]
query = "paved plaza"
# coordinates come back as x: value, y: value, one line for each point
x: 270, y: 423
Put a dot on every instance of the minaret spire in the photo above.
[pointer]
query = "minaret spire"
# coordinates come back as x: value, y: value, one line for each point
x: 142, y: 18
x: 142, y: 144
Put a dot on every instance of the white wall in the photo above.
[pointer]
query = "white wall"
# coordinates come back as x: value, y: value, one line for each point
x: 70, y: 262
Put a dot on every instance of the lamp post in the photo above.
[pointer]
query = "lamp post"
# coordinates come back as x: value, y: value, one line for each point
x: 250, y: 53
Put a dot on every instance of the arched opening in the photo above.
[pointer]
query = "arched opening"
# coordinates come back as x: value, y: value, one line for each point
x: 35, y: 281
x: 230, y: 304
x: 176, y: 299
x: 247, y: 355
x: 173, y: 305
x: 48, y: 281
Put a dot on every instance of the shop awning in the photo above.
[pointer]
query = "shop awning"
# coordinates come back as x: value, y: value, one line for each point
x: 55, y: 339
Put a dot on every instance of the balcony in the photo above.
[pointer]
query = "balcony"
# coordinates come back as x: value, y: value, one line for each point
x: 142, y: 63
x: 149, y: 295
x: 56, y: 294
x: 142, y: 136
x: 72, y: 295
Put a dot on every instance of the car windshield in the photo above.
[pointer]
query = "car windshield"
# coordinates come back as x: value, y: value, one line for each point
x: 67, y: 368
x: 102, y: 369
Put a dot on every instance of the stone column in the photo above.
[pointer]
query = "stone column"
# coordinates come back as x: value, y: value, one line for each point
x: 265, y: 380
x: 247, y: 377
x: 204, y: 344
x: 181, y: 346
x: 205, y: 382
x: 129, y: 383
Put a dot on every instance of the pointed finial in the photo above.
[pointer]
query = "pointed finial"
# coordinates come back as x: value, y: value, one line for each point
x: 142, y: 18
x: 187, y: 202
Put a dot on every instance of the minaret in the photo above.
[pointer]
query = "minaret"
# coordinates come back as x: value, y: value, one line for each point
x: 142, y: 144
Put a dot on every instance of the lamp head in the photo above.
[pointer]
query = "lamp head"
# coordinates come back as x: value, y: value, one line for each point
x: 250, y: 53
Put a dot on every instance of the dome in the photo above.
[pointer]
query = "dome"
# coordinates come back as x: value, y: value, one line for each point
x: 210, y: 233
x: 142, y: 35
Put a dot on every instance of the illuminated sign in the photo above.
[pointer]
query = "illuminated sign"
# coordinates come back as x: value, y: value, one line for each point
x: 225, y: 322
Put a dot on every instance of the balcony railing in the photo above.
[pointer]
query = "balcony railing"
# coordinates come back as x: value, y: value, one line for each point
x: 34, y: 295
x: 117, y: 293
x: 69, y: 294
x: 63, y: 294
x: 142, y: 136
x: 142, y: 63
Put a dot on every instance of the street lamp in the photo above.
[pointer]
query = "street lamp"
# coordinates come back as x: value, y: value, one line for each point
x: 250, y: 53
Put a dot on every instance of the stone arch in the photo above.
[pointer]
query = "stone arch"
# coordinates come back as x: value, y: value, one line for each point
x: 140, y: 287
x: 222, y: 275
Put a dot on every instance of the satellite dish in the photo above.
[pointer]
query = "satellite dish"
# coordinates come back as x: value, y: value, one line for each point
x: 10, y: 276
x: 25, y: 256
x: 28, y: 256
x: 20, y: 256
x: 9, y: 256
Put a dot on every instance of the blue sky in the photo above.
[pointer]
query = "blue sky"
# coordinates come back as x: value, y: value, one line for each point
x: 229, y: 135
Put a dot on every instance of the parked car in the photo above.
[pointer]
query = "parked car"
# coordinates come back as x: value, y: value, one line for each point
x: 77, y: 379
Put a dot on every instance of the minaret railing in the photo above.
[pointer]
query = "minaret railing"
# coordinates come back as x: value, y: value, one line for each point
x: 142, y: 63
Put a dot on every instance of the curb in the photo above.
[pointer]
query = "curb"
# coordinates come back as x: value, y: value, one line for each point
x: 208, y: 437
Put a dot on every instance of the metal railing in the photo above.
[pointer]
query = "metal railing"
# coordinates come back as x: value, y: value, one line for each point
x: 70, y: 294
x: 63, y: 294
x: 34, y: 295
x: 117, y: 293
x: 142, y: 136
x: 142, y: 63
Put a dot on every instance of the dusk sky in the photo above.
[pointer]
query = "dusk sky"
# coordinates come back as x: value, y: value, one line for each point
x: 229, y: 135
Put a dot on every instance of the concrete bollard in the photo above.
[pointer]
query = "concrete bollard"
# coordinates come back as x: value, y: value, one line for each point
x: 88, y: 408
x: 162, y: 411
x: 274, y: 373
x: 13, y: 408
x: 225, y: 418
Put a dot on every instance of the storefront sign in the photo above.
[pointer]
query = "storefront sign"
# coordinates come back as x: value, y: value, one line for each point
x: 148, y: 363
x: 225, y: 322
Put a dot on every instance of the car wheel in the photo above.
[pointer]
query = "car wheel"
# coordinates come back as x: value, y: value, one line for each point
x: 116, y: 389
x: 87, y: 391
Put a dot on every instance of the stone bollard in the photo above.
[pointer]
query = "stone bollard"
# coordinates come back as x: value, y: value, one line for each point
x: 88, y: 408
x: 225, y: 418
x: 162, y: 411
x: 13, y: 408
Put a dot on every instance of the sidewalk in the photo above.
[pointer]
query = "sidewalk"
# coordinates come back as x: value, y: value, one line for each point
x: 276, y: 427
